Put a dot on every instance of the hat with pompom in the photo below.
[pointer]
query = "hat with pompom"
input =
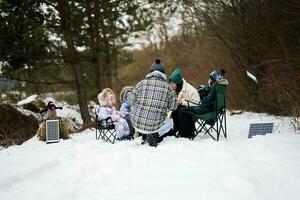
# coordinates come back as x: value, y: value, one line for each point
x: 216, y: 75
x: 158, y: 65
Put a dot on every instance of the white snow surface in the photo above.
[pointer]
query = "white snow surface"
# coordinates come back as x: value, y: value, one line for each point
x: 261, y: 168
x: 69, y: 112
x: 27, y: 100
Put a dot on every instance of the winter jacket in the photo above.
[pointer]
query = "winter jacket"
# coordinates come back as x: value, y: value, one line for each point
x: 121, y: 126
x: 207, y: 104
x: 105, y: 111
x: 189, y: 93
x: 125, y: 107
x: 124, y: 93
x: 151, y: 99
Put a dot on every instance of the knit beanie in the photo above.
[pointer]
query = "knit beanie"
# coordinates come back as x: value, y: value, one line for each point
x: 157, y: 65
x: 176, y: 77
x: 216, y: 75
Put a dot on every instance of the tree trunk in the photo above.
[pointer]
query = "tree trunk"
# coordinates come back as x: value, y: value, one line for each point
x: 81, y: 93
x: 93, y: 9
x: 72, y: 59
x: 107, y: 65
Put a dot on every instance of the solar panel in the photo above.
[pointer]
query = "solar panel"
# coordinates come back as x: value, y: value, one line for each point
x: 52, y: 131
x: 260, y: 129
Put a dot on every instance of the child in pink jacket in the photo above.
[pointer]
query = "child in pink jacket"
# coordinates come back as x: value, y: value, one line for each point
x: 107, y: 109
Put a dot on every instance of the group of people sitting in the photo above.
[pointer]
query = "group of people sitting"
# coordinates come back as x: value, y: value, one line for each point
x: 158, y: 107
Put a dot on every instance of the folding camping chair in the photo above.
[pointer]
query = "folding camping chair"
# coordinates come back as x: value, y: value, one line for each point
x: 213, y: 122
x: 105, y: 129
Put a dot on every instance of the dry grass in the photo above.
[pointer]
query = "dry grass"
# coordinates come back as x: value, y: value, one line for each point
x: 196, y: 60
x: 276, y: 93
x: 15, y: 127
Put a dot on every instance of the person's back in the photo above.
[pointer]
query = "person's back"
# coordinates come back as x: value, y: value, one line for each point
x: 151, y: 100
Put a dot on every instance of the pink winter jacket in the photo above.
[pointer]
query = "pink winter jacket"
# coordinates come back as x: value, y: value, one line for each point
x: 121, y: 126
x: 104, y: 111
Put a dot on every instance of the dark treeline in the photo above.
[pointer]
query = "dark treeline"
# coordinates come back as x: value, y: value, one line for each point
x: 43, y: 41
x: 262, y: 36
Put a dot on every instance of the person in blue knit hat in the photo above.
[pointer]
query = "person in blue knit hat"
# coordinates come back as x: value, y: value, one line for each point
x: 206, y: 106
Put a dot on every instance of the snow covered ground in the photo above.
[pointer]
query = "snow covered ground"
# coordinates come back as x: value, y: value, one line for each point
x: 260, y: 168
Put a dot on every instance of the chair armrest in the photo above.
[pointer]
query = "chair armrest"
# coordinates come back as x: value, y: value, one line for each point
x: 106, y: 123
x: 199, y: 104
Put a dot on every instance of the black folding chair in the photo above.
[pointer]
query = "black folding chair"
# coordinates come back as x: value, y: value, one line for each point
x: 105, y: 129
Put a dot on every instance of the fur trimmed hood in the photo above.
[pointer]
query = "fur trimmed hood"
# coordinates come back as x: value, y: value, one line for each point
x: 223, y: 81
x: 102, y: 97
x: 157, y: 74
x: 124, y: 91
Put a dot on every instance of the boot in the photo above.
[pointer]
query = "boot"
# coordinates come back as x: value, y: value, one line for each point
x: 144, y: 139
x: 152, y: 139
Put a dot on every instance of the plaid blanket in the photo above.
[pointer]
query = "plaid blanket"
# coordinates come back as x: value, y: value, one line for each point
x: 151, y: 99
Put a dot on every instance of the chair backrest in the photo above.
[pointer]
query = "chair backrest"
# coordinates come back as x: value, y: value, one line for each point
x: 103, y: 123
x: 95, y: 110
x: 220, y: 96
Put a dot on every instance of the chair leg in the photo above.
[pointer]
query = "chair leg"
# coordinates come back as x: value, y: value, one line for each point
x: 102, y: 134
x: 109, y: 136
x: 112, y: 137
x: 202, y: 126
x: 225, y: 124
x: 197, y: 129
x: 222, y: 126
x: 211, y: 136
x: 218, y: 131
x: 207, y: 131
x: 98, y: 133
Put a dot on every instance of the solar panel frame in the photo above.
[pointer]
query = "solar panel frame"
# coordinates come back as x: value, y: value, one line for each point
x: 260, y: 129
x: 52, y: 131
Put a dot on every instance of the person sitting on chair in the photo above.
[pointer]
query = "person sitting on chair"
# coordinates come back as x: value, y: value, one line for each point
x: 187, y: 95
x: 107, y: 110
x: 203, y: 91
x: 126, y: 107
x: 151, y: 99
x: 51, y: 115
x: 207, y: 105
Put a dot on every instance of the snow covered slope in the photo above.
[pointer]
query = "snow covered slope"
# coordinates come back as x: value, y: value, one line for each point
x: 260, y: 168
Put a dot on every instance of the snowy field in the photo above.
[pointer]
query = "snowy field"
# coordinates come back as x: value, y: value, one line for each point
x: 260, y: 168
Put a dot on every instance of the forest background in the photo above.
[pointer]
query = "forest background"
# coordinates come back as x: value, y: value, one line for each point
x: 76, y: 48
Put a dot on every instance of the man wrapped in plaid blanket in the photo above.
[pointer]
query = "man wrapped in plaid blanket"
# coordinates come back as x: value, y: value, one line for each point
x: 151, y: 99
